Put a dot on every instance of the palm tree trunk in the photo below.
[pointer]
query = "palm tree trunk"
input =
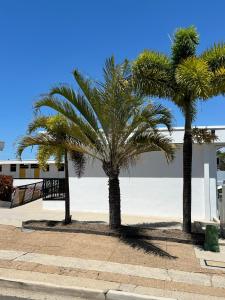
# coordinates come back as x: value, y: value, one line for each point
x: 67, y: 193
x: 187, y: 174
x: 114, y: 203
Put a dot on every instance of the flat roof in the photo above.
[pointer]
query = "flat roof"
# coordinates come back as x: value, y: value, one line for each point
x: 200, y: 127
x: 177, y: 134
x: 15, y: 161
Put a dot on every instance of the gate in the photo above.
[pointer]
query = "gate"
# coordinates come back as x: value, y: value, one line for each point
x: 24, y: 194
x: 54, y: 189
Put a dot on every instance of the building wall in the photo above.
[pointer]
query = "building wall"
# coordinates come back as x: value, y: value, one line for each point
x: 52, y: 173
x: 151, y: 187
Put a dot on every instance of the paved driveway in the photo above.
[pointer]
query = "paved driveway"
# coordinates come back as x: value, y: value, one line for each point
x: 30, y: 211
x: 34, y: 211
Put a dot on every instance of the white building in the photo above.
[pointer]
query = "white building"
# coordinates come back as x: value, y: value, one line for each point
x: 152, y: 187
x: 27, y: 169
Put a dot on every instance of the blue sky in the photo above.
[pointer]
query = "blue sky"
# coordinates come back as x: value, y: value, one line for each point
x: 43, y: 41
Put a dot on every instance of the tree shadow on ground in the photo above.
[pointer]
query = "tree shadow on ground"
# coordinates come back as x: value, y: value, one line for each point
x: 158, y: 224
x: 133, y: 237
x: 53, y: 223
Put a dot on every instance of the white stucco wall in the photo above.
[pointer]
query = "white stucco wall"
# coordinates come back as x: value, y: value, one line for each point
x: 19, y: 182
x: 152, y: 187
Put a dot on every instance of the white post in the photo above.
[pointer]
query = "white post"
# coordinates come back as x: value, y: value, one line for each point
x: 210, y: 175
x: 206, y: 182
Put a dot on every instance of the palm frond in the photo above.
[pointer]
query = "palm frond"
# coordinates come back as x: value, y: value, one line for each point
x: 45, y: 152
x: 80, y: 103
x: 203, y: 135
x: 218, y: 82
x: 194, y: 77
x: 38, y: 123
x: 185, y: 41
x: 215, y: 56
x: 79, y: 162
x: 36, y: 140
x: 66, y: 109
x: 148, y: 141
x: 152, y: 74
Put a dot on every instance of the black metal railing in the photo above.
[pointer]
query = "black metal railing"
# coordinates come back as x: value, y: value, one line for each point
x: 54, y: 189
x: 26, y: 193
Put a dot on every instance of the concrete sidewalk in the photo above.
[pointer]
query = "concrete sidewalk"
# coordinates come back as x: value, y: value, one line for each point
x: 58, y: 287
x: 35, y: 285
x: 116, y: 268
x: 33, y: 269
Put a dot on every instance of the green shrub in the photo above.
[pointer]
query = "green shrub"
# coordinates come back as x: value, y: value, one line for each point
x: 6, y: 187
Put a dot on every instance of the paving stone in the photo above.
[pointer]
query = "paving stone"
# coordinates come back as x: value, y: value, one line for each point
x: 134, y: 270
x: 218, y: 281
x: 115, y: 277
x: 149, y: 291
x: 101, y: 266
x: 147, y: 282
x: 191, y: 296
x: 191, y: 278
x: 208, y: 255
x: 127, y: 287
x: 56, y: 279
x: 10, y: 254
x: 193, y: 288
x: 61, y: 261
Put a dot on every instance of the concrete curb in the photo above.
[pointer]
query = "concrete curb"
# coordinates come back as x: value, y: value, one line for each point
x: 53, y: 289
x: 119, y: 295
x: 81, y: 292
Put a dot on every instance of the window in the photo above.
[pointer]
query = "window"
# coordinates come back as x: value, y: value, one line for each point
x: 34, y: 166
x: 22, y: 166
x: 61, y: 168
x: 0, y: 168
x: 13, y: 168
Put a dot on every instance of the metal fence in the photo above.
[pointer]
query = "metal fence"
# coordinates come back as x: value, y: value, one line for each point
x: 26, y: 193
x: 54, y: 189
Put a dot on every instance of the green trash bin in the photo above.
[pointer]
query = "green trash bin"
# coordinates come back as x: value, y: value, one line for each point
x: 211, y: 238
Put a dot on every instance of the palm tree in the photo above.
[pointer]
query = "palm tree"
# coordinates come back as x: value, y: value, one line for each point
x: 50, y: 145
x: 110, y: 123
x: 183, y: 78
